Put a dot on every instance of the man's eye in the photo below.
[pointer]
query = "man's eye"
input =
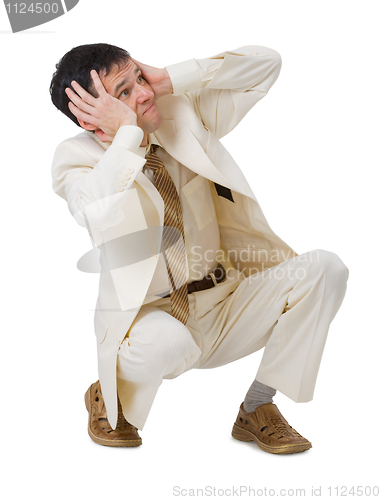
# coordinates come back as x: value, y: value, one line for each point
x: 140, y: 79
x: 124, y: 93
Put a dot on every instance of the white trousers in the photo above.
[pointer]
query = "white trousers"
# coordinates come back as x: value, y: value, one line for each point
x: 286, y: 309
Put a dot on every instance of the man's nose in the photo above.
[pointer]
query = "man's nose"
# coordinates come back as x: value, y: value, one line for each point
x: 143, y: 94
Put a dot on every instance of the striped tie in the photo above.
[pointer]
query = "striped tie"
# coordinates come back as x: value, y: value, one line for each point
x: 173, y: 236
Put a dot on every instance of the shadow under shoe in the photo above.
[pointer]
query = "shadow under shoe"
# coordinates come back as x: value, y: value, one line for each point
x: 99, y: 429
x: 269, y: 429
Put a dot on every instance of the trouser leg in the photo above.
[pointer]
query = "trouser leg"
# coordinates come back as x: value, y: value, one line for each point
x: 293, y: 353
x: 287, y: 309
x: 158, y: 346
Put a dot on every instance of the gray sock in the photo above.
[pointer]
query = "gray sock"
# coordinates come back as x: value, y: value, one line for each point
x: 258, y: 394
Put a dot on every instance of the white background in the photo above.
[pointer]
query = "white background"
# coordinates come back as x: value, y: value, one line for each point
x: 314, y: 167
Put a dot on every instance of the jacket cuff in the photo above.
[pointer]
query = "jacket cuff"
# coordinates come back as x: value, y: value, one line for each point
x: 129, y: 137
x: 185, y: 76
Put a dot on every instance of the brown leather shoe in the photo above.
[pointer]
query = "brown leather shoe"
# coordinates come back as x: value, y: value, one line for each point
x: 99, y: 428
x: 269, y: 429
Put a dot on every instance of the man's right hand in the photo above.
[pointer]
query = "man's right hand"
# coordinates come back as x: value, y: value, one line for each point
x: 104, y: 114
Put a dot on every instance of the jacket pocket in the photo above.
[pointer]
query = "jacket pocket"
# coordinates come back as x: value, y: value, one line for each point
x: 198, y: 195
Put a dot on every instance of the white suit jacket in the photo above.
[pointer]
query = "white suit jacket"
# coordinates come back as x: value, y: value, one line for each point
x: 107, y: 192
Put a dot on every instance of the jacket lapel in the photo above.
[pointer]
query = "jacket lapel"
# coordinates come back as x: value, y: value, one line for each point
x: 182, y: 145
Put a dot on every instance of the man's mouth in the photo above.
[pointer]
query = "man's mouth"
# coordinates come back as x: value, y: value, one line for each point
x: 149, y: 108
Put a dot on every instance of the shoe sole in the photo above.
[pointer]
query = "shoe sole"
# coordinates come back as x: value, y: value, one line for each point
x: 105, y: 442
x: 245, y: 435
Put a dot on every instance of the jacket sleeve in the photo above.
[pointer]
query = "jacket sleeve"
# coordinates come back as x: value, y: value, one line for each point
x: 95, y: 191
x: 223, y: 88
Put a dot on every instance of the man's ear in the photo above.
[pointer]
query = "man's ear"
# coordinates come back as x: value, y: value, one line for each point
x: 86, y: 126
x: 102, y: 136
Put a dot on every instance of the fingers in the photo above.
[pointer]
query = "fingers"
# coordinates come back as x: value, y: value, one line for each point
x: 83, y: 93
x: 97, y: 83
x: 135, y: 62
x: 143, y: 67
x: 81, y: 115
x: 104, y: 112
x: 83, y: 105
x: 86, y: 96
x: 80, y: 109
x: 78, y: 101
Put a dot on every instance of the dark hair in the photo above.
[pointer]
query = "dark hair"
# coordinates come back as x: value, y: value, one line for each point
x: 77, y: 64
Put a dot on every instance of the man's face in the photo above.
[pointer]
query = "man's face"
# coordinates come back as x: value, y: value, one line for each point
x: 127, y: 84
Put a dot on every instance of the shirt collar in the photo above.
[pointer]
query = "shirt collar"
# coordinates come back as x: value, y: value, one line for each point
x: 144, y: 150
